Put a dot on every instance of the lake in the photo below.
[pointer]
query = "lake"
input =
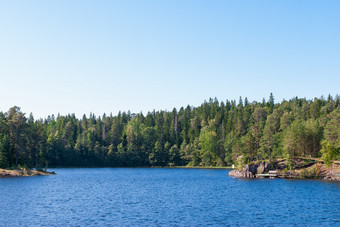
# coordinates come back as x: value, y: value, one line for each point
x: 165, y: 197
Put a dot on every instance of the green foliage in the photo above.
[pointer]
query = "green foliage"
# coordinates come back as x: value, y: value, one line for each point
x: 329, y: 153
x: 4, y: 148
x: 228, y: 148
x: 303, y: 138
x: 331, y: 144
x: 241, y: 161
x: 209, y: 144
x: 309, y: 173
x: 213, y: 134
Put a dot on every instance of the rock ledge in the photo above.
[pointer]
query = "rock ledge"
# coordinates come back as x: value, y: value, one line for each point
x: 303, y: 168
x: 23, y: 173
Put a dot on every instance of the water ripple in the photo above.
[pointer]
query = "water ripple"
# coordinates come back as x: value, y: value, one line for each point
x: 165, y: 197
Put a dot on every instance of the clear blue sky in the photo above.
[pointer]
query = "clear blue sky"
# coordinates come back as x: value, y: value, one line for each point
x: 105, y: 56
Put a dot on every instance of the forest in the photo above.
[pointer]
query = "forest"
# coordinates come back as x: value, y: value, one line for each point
x: 213, y: 134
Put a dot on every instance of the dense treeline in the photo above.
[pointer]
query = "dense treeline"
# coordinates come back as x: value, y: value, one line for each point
x: 214, y: 134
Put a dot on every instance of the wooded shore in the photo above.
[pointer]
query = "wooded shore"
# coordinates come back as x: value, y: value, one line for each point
x: 217, y: 133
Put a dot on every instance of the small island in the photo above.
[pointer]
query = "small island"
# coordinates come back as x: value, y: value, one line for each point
x: 23, y: 173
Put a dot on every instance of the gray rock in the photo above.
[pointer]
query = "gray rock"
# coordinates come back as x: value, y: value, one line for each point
x: 261, y: 168
x: 236, y: 173
x: 250, y: 170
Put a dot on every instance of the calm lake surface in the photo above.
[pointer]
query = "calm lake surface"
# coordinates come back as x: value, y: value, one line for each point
x: 165, y: 197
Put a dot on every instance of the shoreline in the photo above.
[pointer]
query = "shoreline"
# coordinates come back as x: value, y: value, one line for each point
x: 145, y: 167
x: 24, y: 173
x: 195, y: 167
x: 303, y: 168
x: 238, y: 174
x: 33, y: 172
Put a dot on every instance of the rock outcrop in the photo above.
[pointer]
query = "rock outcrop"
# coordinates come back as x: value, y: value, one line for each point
x: 236, y: 173
x: 300, y: 168
x: 250, y: 170
x: 333, y: 175
x: 23, y: 173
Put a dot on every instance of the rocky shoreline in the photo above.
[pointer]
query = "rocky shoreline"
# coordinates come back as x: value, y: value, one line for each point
x: 300, y: 168
x: 24, y: 173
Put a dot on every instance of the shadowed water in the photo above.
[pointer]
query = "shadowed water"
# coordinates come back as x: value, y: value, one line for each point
x: 165, y: 197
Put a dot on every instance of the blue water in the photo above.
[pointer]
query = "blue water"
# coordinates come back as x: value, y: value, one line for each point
x: 165, y: 197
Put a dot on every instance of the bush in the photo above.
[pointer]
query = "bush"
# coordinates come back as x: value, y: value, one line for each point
x: 329, y: 153
x: 309, y: 173
x: 241, y: 161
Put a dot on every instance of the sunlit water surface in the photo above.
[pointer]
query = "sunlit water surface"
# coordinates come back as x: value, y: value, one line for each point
x: 165, y: 197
